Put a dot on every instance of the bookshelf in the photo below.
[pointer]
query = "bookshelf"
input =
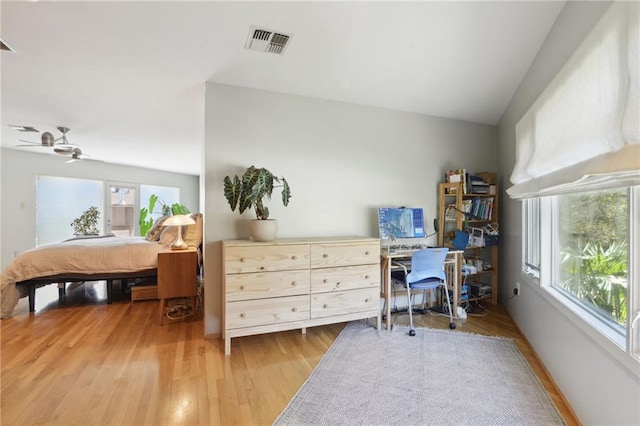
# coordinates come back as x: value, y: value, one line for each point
x: 471, y: 205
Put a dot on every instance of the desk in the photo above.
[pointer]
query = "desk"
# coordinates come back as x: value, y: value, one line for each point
x: 452, y: 268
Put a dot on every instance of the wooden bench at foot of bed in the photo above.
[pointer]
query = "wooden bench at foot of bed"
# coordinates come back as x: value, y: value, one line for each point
x: 31, y: 285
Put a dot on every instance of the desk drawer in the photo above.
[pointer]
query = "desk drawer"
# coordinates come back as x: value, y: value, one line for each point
x: 344, y: 302
x: 251, y: 313
x: 344, y: 278
x: 266, y: 258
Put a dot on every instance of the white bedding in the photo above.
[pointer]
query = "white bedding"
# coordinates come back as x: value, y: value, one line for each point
x: 78, y: 256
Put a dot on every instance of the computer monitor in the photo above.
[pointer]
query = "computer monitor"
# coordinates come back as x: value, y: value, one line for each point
x: 401, y: 222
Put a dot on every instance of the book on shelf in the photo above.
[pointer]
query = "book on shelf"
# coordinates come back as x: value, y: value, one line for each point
x: 466, y: 206
x: 472, y: 209
x: 476, y: 185
x: 479, y: 208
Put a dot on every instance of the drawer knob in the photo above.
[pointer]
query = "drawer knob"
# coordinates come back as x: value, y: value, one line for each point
x: 325, y: 255
x: 366, y: 300
x: 294, y: 309
x: 325, y: 306
x: 242, y: 315
x: 366, y: 253
x: 366, y: 277
x: 337, y: 284
x: 325, y: 281
x: 241, y: 287
x: 293, y: 283
x: 294, y: 257
x: 242, y: 260
x: 262, y: 268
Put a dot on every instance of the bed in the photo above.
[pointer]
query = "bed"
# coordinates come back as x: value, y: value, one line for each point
x: 88, y: 259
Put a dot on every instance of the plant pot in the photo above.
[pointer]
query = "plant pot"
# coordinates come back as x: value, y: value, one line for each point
x: 263, y: 230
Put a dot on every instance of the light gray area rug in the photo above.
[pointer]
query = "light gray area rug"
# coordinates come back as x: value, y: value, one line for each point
x: 437, y: 377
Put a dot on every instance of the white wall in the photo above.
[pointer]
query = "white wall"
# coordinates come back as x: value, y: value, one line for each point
x: 343, y: 161
x: 19, y: 174
x: 600, y: 389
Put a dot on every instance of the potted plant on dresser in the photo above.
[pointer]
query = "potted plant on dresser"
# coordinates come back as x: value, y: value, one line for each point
x: 250, y: 190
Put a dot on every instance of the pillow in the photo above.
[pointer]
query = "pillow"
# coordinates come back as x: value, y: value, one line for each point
x: 169, y: 235
x: 192, y: 234
x: 156, y: 229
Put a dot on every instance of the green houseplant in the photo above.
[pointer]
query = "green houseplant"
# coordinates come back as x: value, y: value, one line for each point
x: 250, y: 190
x: 146, y: 220
x: 87, y: 223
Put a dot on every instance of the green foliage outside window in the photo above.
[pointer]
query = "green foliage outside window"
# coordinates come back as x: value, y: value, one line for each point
x: 594, y: 250
x: 146, y: 220
x: 87, y: 223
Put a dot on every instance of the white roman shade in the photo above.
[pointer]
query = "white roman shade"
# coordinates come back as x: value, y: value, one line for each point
x: 583, y: 132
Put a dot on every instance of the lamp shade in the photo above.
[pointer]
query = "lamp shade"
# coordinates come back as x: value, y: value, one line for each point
x: 179, y: 220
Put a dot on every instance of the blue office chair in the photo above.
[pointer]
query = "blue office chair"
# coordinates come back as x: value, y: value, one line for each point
x: 427, y: 273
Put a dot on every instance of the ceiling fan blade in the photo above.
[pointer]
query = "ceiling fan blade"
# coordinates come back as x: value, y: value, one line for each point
x: 24, y: 128
x: 29, y: 143
x: 67, y: 149
x: 82, y: 157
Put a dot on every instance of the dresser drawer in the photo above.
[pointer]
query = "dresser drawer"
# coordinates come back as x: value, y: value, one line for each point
x: 262, y: 258
x: 262, y: 312
x: 260, y: 285
x: 344, y: 278
x: 344, y: 302
x: 345, y: 254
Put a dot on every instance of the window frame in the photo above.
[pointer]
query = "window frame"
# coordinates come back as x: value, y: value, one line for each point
x: 531, y: 240
x: 624, y: 347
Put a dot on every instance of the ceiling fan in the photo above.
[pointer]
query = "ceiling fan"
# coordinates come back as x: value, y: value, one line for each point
x: 47, y: 139
x: 61, y: 145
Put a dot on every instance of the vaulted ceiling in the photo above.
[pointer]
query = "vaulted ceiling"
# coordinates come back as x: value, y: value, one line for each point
x: 128, y: 78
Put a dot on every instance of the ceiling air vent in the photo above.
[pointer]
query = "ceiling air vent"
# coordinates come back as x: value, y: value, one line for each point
x: 4, y: 45
x: 266, y: 41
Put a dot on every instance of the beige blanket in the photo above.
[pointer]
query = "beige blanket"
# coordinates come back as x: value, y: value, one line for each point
x: 81, y: 256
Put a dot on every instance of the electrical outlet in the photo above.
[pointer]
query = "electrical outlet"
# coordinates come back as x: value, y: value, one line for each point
x: 516, y: 289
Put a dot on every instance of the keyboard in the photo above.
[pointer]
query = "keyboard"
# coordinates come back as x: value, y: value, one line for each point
x: 404, y: 250
x: 407, y: 252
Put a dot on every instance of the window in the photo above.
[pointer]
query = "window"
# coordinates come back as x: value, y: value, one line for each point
x: 591, y: 260
x: 59, y: 201
x: 167, y: 195
x: 531, y: 222
x: 586, y: 259
x: 122, y: 215
x: 577, y: 171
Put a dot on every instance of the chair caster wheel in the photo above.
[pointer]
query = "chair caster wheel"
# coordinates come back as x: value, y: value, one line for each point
x: 412, y: 332
x: 452, y: 325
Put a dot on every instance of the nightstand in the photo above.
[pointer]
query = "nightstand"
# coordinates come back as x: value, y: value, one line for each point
x: 177, y: 277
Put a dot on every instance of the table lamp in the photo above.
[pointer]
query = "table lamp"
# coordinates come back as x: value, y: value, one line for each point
x: 179, y: 220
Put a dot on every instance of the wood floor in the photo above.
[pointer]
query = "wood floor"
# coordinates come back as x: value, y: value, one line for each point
x: 99, y: 364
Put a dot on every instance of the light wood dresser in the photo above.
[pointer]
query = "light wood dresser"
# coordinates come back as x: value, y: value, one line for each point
x: 298, y: 283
